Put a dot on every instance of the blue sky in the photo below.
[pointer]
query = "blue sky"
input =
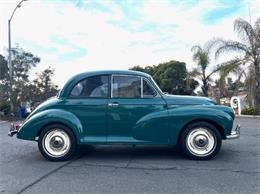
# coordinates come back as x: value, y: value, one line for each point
x: 81, y: 35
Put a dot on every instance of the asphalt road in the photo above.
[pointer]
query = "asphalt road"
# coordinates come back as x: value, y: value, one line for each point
x: 124, y: 169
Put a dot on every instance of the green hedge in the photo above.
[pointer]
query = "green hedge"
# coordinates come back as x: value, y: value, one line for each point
x: 251, y: 111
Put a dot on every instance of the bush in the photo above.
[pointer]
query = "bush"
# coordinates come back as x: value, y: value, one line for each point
x: 4, y: 107
x: 251, y: 111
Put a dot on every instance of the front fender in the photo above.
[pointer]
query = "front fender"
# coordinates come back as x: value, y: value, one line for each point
x: 31, y: 127
x: 181, y: 116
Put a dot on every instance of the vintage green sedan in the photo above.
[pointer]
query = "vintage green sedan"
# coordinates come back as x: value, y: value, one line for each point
x: 125, y: 107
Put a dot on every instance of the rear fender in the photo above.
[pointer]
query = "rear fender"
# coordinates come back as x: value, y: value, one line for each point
x: 31, y: 128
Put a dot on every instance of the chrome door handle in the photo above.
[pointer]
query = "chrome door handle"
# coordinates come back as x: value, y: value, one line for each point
x: 114, y: 104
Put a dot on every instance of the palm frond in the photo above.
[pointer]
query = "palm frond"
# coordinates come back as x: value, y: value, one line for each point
x: 196, y: 48
x: 194, y: 73
x: 217, y: 69
x: 245, y: 30
x: 200, y: 56
x: 257, y: 25
x: 231, y: 66
x: 219, y: 46
x: 257, y: 32
x: 223, y: 46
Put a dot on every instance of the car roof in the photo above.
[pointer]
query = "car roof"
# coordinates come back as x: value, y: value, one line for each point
x: 76, y: 78
x: 101, y: 72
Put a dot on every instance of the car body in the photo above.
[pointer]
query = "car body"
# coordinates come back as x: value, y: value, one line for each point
x: 125, y: 107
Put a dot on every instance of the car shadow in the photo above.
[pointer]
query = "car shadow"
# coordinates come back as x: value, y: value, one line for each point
x: 124, y: 151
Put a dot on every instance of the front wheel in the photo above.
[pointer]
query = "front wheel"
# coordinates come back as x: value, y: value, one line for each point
x: 201, y: 141
x: 57, y: 143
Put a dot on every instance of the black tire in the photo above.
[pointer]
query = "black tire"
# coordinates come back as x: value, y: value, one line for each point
x: 64, y: 130
x: 193, y: 148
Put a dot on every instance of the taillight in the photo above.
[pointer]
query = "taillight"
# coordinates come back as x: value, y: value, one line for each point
x: 17, y: 126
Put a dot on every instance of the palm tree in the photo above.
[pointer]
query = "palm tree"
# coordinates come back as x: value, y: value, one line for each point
x: 201, y: 57
x: 248, y: 62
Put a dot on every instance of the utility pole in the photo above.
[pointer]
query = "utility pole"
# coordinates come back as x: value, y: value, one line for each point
x: 10, y: 58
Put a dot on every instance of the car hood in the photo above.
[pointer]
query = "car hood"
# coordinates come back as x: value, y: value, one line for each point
x: 174, y: 101
x: 188, y: 100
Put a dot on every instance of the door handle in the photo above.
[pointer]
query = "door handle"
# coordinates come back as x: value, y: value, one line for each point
x: 114, y: 104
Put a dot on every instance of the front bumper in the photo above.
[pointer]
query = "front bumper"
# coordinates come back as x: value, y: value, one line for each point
x: 235, y: 133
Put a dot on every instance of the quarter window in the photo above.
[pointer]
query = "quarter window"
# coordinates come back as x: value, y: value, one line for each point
x: 148, y: 90
x: 96, y: 87
x: 126, y: 87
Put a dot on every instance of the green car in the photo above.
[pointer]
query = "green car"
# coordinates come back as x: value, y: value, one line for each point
x: 125, y: 107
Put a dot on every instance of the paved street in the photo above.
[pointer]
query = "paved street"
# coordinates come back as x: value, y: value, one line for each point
x: 124, y: 169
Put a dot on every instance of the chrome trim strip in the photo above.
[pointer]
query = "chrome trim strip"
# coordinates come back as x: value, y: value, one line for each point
x: 142, y: 87
x: 113, y: 104
x: 235, y: 133
x: 111, y: 85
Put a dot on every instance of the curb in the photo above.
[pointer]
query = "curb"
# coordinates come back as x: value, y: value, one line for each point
x: 248, y: 116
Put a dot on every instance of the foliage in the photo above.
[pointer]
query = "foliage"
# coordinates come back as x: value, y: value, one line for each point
x: 171, y: 77
x: 3, y: 67
x: 247, y: 64
x: 231, y: 88
x: 251, y: 111
x: 24, y: 90
x: 4, y: 107
x: 42, y: 87
x: 4, y: 77
x: 201, y: 57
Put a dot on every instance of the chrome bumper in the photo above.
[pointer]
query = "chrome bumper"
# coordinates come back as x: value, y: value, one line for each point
x: 235, y: 133
x: 13, y: 130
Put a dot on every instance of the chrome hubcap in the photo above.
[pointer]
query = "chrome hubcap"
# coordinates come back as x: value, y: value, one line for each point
x: 56, y: 143
x: 201, y: 142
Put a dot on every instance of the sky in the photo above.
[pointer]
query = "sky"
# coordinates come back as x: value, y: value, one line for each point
x: 74, y: 36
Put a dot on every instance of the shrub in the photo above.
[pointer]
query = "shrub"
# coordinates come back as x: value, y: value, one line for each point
x: 4, y: 107
x: 251, y: 111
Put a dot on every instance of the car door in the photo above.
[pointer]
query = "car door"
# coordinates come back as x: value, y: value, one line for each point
x: 132, y: 99
x: 88, y: 100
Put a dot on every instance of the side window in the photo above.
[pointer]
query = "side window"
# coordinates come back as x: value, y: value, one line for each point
x: 91, y: 87
x: 148, y: 90
x: 126, y: 87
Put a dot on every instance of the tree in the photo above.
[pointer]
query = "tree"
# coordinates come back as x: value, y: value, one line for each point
x: 3, y: 68
x: 247, y: 64
x: 4, y: 105
x: 23, y: 89
x: 22, y: 63
x: 201, y: 57
x: 42, y: 87
x: 148, y: 69
x: 171, y: 77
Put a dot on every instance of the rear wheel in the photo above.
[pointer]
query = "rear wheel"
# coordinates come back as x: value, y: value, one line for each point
x: 57, y: 143
x: 200, y: 140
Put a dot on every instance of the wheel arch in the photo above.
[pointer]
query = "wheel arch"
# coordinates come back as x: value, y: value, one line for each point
x: 55, y: 123
x: 219, y: 128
